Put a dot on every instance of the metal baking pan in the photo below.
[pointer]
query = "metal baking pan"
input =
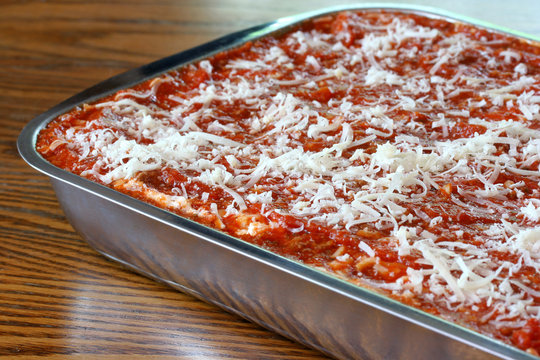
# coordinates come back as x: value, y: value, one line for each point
x: 299, y: 302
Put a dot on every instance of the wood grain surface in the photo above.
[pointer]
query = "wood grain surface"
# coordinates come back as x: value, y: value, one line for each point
x: 58, y: 297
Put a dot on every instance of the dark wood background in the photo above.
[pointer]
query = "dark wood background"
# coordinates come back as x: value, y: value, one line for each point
x: 57, y: 296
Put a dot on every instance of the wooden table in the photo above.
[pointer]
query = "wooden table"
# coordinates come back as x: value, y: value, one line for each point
x: 57, y: 296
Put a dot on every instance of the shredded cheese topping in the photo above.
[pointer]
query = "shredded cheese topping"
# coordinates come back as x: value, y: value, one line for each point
x: 382, y: 125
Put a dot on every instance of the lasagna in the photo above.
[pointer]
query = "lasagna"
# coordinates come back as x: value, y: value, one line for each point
x: 397, y: 151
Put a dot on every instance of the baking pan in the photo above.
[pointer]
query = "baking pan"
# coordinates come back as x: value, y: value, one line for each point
x: 299, y: 302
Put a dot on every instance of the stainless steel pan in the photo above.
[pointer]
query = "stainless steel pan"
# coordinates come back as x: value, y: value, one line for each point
x: 314, y: 308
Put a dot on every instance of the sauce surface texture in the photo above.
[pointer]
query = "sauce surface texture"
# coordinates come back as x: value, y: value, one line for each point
x: 393, y: 150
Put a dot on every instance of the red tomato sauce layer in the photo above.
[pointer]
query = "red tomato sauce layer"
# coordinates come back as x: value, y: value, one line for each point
x: 397, y: 151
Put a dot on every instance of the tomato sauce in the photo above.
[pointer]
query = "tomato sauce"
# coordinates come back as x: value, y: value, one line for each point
x: 389, y: 149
